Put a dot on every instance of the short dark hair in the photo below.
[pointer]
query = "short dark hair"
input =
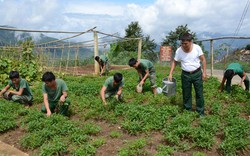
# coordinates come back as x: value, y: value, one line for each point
x: 48, y: 76
x: 97, y: 58
x: 13, y: 74
x: 132, y: 62
x: 228, y: 73
x: 186, y: 37
x: 118, y: 77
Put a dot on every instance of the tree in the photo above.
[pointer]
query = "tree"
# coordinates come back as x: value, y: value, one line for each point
x: 135, y: 31
x: 248, y: 47
x: 172, y: 39
x: 128, y: 48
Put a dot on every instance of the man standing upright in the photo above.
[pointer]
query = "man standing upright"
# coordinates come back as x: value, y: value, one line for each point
x: 190, y: 55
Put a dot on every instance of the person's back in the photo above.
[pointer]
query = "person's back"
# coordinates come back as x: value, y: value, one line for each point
x: 104, y: 58
x: 232, y: 70
x: 146, y: 64
x: 238, y: 69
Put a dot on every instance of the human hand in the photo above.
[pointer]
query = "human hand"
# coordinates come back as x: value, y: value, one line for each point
x: 7, y: 94
x: 203, y: 76
x: 141, y: 83
x: 62, y: 98
x: 48, y: 113
x: 170, y: 77
x: 105, y: 104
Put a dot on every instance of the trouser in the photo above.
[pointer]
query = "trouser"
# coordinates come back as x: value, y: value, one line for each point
x: 189, y: 79
x: 106, y: 69
x: 152, y: 78
x: 110, y: 93
x: 228, y: 84
x: 23, y: 99
x: 58, y: 107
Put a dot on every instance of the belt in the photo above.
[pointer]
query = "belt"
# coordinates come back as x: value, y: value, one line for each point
x: 192, y: 72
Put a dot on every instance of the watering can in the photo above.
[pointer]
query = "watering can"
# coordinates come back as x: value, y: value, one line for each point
x: 169, y: 87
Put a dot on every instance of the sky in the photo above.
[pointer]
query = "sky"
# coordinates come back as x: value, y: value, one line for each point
x: 156, y: 17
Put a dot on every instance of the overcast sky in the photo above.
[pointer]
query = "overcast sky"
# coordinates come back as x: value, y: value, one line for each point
x: 156, y: 17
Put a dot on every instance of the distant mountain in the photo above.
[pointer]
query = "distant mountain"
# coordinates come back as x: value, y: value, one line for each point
x: 11, y: 38
x: 7, y: 37
x: 234, y: 43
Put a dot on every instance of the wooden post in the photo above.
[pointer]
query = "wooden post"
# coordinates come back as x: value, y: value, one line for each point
x: 54, y: 57
x: 67, y: 64
x: 96, y: 53
x: 139, y: 48
x: 60, y: 68
x: 212, y: 56
x: 76, y: 59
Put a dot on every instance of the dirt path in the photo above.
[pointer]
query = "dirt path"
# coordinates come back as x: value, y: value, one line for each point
x: 7, y: 150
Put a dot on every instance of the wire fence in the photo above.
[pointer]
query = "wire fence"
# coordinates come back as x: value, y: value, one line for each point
x: 74, y: 53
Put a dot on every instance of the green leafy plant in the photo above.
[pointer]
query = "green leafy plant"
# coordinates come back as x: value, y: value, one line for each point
x: 115, y: 134
x: 133, y: 148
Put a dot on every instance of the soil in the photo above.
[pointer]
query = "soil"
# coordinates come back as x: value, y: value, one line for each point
x: 9, y: 141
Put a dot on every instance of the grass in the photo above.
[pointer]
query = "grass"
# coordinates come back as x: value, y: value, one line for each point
x: 137, y: 117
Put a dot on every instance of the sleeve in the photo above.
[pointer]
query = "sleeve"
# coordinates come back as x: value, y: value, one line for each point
x: 176, y: 57
x: 44, y: 89
x: 145, y: 65
x: 122, y: 83
x: 64, y: 86
x: 10, y: 83
x: 200, y: 52
x: 23, y: 84
x: 106, y: 83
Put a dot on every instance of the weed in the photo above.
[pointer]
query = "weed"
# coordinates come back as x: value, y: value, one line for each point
x: 115, y: 134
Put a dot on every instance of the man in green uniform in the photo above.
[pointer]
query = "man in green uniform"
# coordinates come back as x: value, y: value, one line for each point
x: 54, y: 95
x: 103, y: 64
x: 190, y: 55
x: 232, y: 70
x: 22, y: 92
x: 145, y: 69
x: 112, y: 86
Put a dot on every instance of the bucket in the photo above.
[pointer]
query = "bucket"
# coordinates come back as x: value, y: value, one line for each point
x: 169, y: 87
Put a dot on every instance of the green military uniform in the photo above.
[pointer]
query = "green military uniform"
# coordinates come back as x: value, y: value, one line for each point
x: 147, y: 65
x: 238, y: 69
x: 112, y: 89
x: 26, y: 97
x: 187, y: 79
x: 104, y: 61
x: 191, y: 75
x: 54, y: 97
